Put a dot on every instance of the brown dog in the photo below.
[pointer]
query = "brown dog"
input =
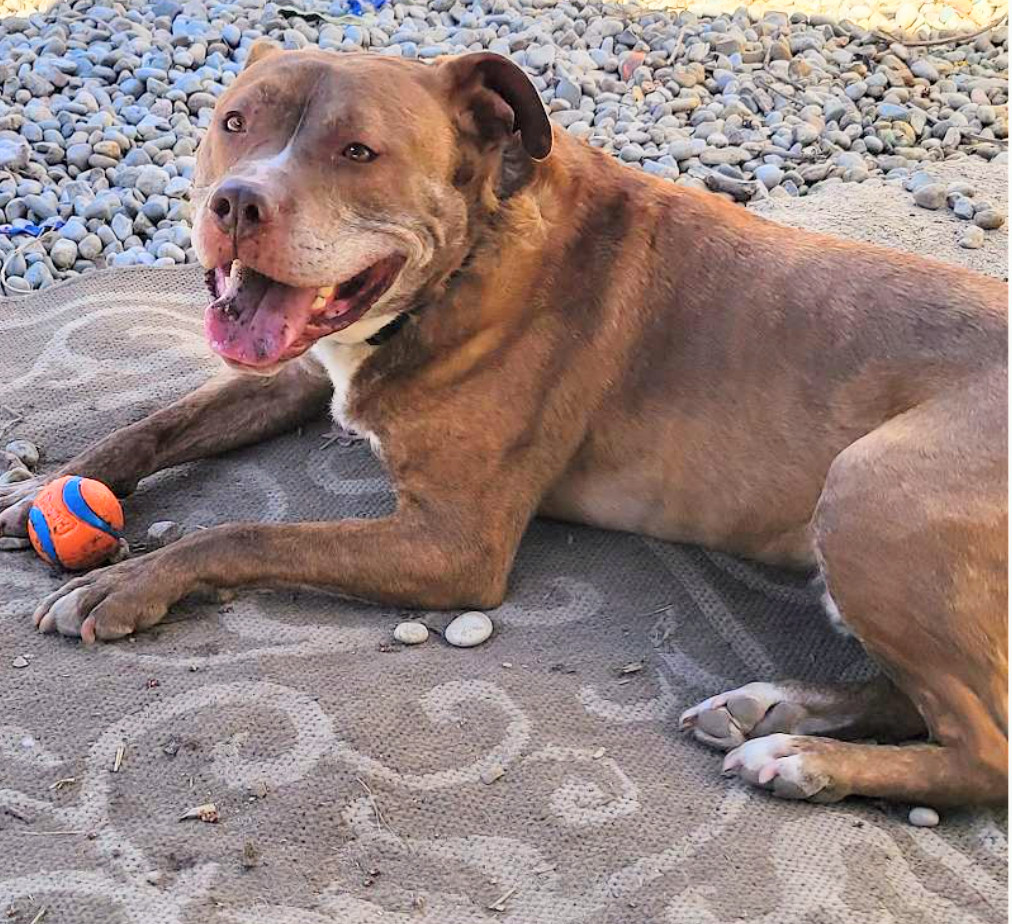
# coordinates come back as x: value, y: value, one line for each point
x: 521, y: 333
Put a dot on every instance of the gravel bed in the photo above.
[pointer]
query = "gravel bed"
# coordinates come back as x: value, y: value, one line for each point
x: 102, y: 106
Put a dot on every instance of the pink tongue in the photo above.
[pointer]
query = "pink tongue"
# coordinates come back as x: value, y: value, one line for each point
x: 259, y: 322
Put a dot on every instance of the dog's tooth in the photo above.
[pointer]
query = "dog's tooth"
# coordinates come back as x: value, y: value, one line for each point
x: 319, y: 302
x: 324, y: 291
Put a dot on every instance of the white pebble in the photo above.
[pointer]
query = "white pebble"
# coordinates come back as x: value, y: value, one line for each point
x: 468, y: 630
x: 972, y: 238
x: 411, y: 633
x: 14, y: 475
x: 162, y: 533
x: 26, y: 451
x: 923, y: 817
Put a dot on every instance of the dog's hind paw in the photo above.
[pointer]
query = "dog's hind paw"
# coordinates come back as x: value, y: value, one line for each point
x: 727, y: 720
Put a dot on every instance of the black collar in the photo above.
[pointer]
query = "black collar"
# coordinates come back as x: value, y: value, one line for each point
x: 385, y: 333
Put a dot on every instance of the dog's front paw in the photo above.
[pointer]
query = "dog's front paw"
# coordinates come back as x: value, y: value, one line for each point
x: 15, y: 501
x: 111, y: 602
x: 789, y: 766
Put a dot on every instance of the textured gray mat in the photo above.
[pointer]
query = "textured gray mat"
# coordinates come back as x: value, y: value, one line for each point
x: 350, y: 772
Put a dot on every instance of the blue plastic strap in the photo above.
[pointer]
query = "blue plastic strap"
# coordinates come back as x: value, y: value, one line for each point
x: 41, y: 528
x: 78, y: 506
x: 50, y: 224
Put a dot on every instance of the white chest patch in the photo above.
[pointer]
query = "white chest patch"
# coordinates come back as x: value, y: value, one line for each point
x: 342, y: 361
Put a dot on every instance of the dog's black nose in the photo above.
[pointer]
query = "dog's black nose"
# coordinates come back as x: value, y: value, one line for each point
x: 239, y: 208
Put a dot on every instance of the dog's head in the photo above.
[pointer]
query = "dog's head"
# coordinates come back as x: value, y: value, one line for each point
x: 331, y: 190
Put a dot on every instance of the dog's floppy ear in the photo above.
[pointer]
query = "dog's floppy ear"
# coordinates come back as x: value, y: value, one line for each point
x: 500, y: 99
x: 260, y: 49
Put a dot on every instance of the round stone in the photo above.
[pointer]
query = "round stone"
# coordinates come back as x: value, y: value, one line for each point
x: 960, y: 188
x: 15, y: 153
x: 923, y: 817
x: 38, y: 276
x: 74, y: 230
x: 25, y: 450
x: 151, y: 180
x: 78, y: 154
x: 770, y: 175
x: 468, y: 630
x: 90, y: 247
x: 930, y: 196
x: 972, y: 238
x: 962, y: 207
x: 169, y: 250
x: 989, y: 219
x: 411, y: 633
x: 63, y: 254
x: 14, y: 475
x: 17, y: 283
x: 122, y: 226
x: 163, y: 533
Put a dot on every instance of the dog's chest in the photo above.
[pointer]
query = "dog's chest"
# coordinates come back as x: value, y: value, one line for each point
x: 342, y: 361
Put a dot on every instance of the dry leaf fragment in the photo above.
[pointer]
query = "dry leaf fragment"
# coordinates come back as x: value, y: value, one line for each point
x: 208, y: 813
x: 250, y: 855
x: 493, y: 773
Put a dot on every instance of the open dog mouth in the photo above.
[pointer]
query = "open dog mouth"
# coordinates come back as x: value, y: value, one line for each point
x: 254, y: 321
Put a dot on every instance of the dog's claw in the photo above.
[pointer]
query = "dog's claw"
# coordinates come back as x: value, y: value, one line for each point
x: 108, y: 603
x: 784, y: 764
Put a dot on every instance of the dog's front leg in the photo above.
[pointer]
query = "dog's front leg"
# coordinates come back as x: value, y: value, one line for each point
x: 410, y: 559
x: 229, y: 411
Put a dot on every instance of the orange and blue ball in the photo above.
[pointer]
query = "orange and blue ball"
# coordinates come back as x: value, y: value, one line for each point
x: 75, y: 522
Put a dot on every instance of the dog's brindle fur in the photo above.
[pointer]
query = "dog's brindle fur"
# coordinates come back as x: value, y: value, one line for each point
x: 597, y: 345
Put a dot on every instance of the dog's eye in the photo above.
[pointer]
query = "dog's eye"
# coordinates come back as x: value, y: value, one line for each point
x: 234, y: 123
x: 359, y: 153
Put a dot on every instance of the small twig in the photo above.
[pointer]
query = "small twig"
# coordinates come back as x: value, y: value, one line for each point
x: 17, y: 813
x: 500, y: 904
x: 40, y: 915
x: 739, y: 190
x: 120, y: 754
x: 982, y: 139
x: 381, y: 822
x: 678, y: 46
x: 56, y: 833
x: 774, y: 78
x: 9, y: 425
x: 949, y: 40
x: 59, y: 784
x: 342, y: 436
x: 325, y: 17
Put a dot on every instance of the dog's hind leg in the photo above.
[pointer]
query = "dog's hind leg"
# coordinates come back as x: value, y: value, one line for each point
x: 875, y: 709
x: 912, y: 530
